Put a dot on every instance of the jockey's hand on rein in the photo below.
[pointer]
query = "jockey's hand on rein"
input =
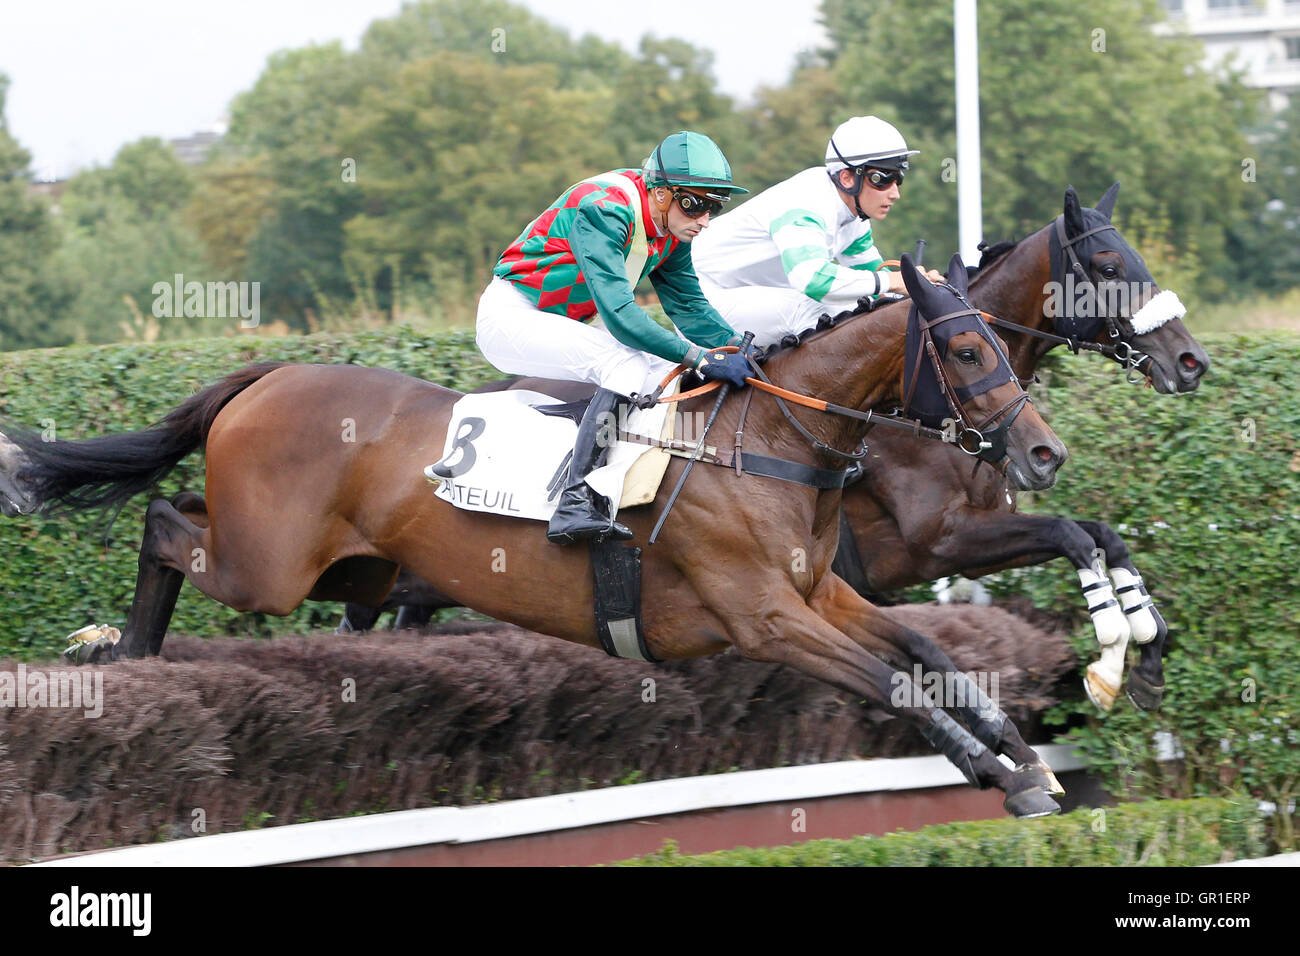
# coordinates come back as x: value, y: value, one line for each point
x: 729, y: 367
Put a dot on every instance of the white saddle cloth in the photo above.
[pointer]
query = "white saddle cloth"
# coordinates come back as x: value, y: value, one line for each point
x: 503, y: 456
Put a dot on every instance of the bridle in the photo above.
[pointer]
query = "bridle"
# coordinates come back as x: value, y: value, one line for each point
x: 987, y: 441
x: 1136, y: 364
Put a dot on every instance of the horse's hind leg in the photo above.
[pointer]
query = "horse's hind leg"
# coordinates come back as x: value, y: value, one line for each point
x: 871, y: 628
x: 412, y: 617
x: 358, y: 619
x: 158, y: 583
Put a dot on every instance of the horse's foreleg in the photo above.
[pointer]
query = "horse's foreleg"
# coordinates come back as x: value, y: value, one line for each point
x: 872, y: 627
x: 796, y: 636
x: 976, y: 541
x: 1146, y: 681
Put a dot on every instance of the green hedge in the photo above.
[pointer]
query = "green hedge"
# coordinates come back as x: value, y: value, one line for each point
x: 1207, y: 499
x: 1154, y: 833
x: 1205, y: 490
x: 60, y: 575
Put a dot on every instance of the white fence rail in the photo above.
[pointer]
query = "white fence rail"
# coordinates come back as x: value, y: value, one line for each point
x: 406, y: 828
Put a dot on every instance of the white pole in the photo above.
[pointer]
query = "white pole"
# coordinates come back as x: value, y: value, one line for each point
x: 970, y: 226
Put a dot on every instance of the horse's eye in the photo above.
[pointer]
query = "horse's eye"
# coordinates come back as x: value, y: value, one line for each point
x: 968, y: 356
x: 1109, y: 272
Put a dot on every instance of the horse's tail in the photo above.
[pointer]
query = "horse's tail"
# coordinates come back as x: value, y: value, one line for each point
x: 66, y: 476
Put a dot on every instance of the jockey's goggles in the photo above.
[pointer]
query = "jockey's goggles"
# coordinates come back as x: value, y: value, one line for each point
x: 696, y: 206
x: 883, y: 178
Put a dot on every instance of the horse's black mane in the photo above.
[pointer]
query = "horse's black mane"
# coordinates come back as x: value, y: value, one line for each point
x: 827, y: 321
x: 991, y: 254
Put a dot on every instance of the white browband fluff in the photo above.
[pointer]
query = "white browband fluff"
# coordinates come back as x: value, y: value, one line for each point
x: 1162, y: 307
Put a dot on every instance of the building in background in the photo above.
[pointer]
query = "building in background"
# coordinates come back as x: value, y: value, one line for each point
x: 1264, y: 35
x: 192, y: 150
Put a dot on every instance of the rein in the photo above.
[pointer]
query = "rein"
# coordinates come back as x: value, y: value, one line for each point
x: 783, y: 395
x: 1130, y: 359
x: 970, y: 440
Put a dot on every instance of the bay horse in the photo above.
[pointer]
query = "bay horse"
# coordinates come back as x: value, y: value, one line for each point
x: 917, y: 510
x: 315, y: 490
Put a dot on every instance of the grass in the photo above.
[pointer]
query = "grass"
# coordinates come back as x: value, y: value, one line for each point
x: 1254, y: 314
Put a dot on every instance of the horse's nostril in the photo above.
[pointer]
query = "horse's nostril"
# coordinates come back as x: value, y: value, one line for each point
x: 1044, y: 454
x: 1189, y: 361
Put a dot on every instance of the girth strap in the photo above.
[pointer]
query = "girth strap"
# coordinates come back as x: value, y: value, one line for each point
x: 792, y: 471
x: 749, y: 463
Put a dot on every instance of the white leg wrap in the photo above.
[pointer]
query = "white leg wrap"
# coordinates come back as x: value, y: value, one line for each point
x: 1137, y: 604
x: 1107, y: 617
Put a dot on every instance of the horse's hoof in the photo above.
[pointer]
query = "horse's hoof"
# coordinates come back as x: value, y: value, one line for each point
x: 1039, y: 775
x: 1030, y: 775
x: 92, y: 644
x: 1030, y: 803
x: 1101, y: 690
x: 1144, y: 695
x: 98, y: 651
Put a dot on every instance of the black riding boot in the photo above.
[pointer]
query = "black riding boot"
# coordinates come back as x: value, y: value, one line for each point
x: 581, y: 513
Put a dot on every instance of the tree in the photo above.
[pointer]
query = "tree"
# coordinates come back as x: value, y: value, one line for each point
x: 287, y: 128
x: 123, y: 229
x: 425, y: 152
x: 1069, y: 94
x: 1264, y: 245
x: 437, y: 189
x: 670, y: 86
x: 28, y: 294
x: 792, y: 123
x: 233, y: 197
x: 492, y: 31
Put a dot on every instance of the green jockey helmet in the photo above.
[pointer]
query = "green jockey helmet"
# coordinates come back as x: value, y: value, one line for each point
x: 691, y: 159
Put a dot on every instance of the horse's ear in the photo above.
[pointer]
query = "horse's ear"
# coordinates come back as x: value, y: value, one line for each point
x: 1106, y: 204
x: 911, y: 280
x: 958, y: 278
x: 1073, y: 212
x: 918, y: 287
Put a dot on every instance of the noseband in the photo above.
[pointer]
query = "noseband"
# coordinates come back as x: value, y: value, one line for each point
x: 987, y: 441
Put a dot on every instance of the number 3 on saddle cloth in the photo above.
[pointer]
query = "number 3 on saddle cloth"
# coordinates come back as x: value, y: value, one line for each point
x: 508, y: 453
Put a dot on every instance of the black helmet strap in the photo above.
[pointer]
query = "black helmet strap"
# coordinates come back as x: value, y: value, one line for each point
x: 859, y: 173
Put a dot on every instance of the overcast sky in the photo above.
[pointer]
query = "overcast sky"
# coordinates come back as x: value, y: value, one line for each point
x: 87, y: 76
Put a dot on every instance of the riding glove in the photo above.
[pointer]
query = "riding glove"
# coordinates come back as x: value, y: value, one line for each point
x: 730, y: 367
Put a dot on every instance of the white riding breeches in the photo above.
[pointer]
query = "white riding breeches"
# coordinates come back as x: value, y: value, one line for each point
x: 770, y: 313
x: 520, y: 339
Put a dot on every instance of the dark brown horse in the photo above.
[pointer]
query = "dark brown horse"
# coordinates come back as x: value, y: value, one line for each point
x: 315, y: 490
x: 919, y: 511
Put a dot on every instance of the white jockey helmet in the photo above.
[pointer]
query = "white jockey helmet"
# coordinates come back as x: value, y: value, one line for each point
x: 867, y: 141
